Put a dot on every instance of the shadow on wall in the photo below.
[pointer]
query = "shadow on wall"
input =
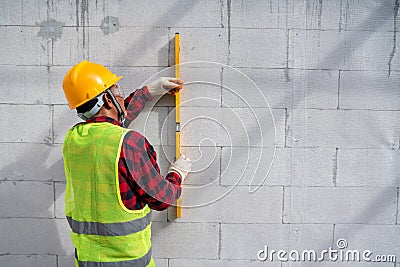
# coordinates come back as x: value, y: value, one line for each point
x: 338, y: 55
x: 33, y: 164
x: 42, y: 164
x: 36, y: 172
x: 142, y: 41
x: 351, y: 40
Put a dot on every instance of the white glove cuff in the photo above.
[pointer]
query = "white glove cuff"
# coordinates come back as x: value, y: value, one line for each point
x: 180, y: 172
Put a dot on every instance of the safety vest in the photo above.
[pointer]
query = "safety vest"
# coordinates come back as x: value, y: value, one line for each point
x: 104, y: 232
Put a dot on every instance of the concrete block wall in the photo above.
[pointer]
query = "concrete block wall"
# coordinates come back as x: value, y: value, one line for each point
x: 312, y: 99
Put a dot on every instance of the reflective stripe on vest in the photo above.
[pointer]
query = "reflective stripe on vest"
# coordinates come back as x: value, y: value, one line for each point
x: 143, y: 261
x: 110, y: 229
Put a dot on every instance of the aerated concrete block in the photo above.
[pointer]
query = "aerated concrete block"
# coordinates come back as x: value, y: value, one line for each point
x: 129, y: 46
x: 72, y: 13
x: 369, y: 90
x: 246, y: 166
x: 343, y: 128
x: 243, y: 241
x: 210, y: 120
x: 17, y: 131
x: 340, y: 205
x: 202, y: 84
x: 368, y: 167
x: 24, y: 85
x: 380, y: 239
x: 246, y: 87
x: 330, y: 49
x: 159, y: 216
x: 167, y: 14
x: 203, y: 44
x: 66, y: 261
x: 35, y: 11
x: 280, y: 88
x: 232, y: 126
x: 258, y: 14
x: 168, y: 241
x: 28, y: 260
x: 41, y: 162
x: 161, y: 262
x: 23, y: 46
x: 40, y: 236
x: 314, y: 14
x: 35, y: 199
x: 215, y: 204
x: 11, y: 12
x: 72, y: 47
x: 263, y: 48
x: 292, y: 167
x: 314, y: 88
x: 371, y: 15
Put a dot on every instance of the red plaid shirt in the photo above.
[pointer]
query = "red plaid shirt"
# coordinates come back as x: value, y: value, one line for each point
x: 140, y: 181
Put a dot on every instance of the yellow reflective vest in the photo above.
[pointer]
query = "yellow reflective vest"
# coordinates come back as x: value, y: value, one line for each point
x: 104, y: 232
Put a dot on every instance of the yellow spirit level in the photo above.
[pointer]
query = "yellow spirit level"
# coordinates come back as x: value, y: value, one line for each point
x: 177, y: 111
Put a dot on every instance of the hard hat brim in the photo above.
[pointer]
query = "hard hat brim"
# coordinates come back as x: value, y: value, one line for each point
x: 111, y: 83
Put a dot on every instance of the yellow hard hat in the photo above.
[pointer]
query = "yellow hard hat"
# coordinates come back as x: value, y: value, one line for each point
x: 85, y: 81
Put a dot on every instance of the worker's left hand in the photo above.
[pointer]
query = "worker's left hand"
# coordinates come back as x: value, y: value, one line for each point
x: 165, y: 85
x: 181, y: 166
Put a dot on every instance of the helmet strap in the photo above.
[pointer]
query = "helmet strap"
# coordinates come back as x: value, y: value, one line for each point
x: 121, y: 115
x: 93, y: 111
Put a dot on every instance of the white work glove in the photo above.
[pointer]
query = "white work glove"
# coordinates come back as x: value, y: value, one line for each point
x: 181, y: 166
x: 163, y: 85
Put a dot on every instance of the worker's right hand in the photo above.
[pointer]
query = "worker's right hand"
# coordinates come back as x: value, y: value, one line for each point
x: 164, y: 85
x: 181, y: 166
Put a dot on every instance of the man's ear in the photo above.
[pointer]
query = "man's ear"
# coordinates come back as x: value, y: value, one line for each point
x: 107, y: 101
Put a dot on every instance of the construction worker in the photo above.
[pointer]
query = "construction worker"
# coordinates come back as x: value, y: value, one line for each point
x: 113, y: 180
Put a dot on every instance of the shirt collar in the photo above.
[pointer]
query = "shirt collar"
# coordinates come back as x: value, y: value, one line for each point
x: 104, y: 119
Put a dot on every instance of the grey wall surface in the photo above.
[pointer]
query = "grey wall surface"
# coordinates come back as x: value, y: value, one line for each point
x: 330, y: 74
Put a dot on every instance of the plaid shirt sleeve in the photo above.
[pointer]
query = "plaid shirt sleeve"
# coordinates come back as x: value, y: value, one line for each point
x: 135, y: 102
x: 139, y: 174
x: 143, y: 174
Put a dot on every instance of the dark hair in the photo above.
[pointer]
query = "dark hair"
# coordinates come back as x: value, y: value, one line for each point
x: 87, y: 106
